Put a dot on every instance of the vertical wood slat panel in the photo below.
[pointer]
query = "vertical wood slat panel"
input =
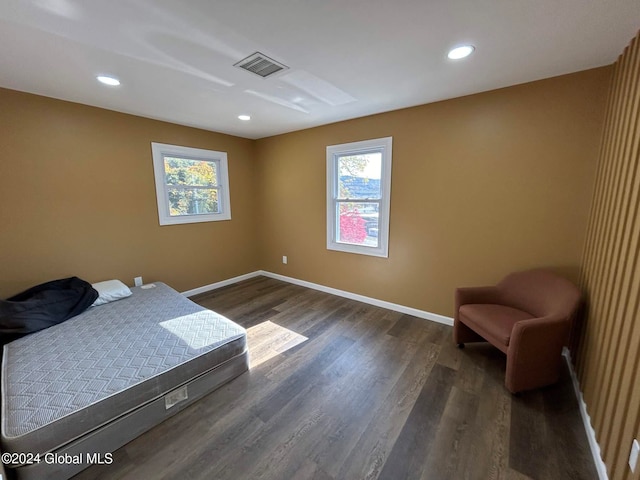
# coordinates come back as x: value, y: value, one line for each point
x: 601, y: 253
x: 623, y: 426
x: 598, y: 188
x: 607, y: 264
x: 609, y: 354
x: 617, y: 392
x: 616, y: 230
x: 624, y: 367
x: 600, y: 181
x: 593, y: 333
x: 621, y: 430
x: 605, y: 399
x: 597, y: 234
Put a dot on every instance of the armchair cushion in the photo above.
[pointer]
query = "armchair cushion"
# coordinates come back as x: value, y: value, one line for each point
x: 493, y: 322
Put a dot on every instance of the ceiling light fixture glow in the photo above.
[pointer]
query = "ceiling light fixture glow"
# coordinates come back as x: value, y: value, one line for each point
x: 111, y: 81
x: 461, y: 52
x: 244, y: 118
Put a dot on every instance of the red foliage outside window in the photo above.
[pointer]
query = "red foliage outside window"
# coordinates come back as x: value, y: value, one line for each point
x: 352, y: 227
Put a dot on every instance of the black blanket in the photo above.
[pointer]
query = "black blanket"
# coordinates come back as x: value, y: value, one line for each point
x: 44, y: 305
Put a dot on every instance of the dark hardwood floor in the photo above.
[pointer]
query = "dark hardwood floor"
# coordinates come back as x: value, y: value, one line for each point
x: 343, y: 390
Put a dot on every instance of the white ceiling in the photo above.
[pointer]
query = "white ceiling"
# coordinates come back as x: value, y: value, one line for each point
x: 347, y: 58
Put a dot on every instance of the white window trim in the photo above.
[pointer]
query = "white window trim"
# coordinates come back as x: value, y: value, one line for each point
x: 159, y: 151
x: 333, y: 152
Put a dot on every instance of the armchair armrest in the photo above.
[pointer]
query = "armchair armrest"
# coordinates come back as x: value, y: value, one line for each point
x: 543, y: 330
x: 535, y: 352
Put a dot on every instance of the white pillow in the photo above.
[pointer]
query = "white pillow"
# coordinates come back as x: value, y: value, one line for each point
x: 110, y: 291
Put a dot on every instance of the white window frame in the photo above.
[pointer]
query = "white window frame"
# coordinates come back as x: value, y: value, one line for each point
x: 383, y: 145
x: 161, y: 150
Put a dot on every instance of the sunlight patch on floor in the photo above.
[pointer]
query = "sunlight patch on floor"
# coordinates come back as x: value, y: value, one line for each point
x: 268, y: 339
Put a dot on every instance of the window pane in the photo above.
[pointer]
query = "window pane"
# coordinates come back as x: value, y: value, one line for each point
x: 183, y: 171
x: 358, y: 223
x: 359, y: 175
x: 192, y: 201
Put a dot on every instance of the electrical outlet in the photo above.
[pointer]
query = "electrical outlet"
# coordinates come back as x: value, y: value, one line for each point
x: 633, y: 456
x: 137, y: 281
x: 284, y: 259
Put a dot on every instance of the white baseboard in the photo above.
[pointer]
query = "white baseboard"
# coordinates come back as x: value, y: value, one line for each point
x: 586, y: 420
x: 434, y: 317
x: 223, y: 283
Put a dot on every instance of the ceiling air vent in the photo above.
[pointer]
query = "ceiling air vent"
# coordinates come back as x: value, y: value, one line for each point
x: 260, y: 65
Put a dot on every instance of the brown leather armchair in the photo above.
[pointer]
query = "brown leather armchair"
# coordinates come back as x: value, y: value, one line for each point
x: 528, y: 316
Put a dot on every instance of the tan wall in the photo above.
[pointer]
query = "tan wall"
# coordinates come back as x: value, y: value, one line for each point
x: 481, y: 185
x: 609, y: 357
x: 77, y: 197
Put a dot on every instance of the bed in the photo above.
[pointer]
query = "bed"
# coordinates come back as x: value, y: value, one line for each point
x: 75, y: 392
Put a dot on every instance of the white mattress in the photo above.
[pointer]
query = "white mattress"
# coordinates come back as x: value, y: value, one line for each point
x: 63, y: 382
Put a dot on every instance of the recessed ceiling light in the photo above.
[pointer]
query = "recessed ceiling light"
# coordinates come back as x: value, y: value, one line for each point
x: 111, y: 81
x: 244, y: 118
x: 461, y: 52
